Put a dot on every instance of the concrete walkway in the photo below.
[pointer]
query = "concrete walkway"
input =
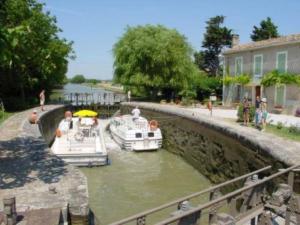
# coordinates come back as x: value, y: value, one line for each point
x: 283, y: 150
x: 28, y: 169
x: 273, y: 119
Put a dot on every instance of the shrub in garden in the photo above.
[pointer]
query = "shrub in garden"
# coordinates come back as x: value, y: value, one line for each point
x: 241, y: 115
x: 294, y: 129
x: 279, y: 125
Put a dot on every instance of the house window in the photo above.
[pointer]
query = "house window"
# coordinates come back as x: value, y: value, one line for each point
x: 281, y: 62
x: 258, y: 65
x: 279, y: 95
x: 238, y: 66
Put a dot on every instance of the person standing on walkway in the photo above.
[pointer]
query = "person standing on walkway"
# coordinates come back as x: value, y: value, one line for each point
x: 246, y: 109
x: 128, y: 95
x: 42, y: 99
x: 264, y: 113
x: 209, y: 107
x: 257, y: 111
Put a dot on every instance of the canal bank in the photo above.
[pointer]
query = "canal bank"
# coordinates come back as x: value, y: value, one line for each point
x: 217, y: 149
x: 38, y: 179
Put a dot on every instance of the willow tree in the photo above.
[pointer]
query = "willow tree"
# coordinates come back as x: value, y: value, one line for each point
x: 152, y: 59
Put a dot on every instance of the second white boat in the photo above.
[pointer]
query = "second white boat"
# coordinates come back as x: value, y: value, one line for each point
x: 136, y: 134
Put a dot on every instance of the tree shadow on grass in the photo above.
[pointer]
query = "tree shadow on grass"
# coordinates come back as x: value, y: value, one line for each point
x: 27, y: 159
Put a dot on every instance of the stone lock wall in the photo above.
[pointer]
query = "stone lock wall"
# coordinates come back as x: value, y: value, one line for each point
x: 49, y: 122
x: 212, y: 152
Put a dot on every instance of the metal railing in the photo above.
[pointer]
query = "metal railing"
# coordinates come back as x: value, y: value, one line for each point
x: 140, y: 218
x: 104, y: 98
x: 227, y: 197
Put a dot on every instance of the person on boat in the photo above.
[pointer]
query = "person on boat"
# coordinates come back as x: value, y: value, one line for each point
x: 33, y: 118
x: 78, y: 123
x: 95, y: 122
x: 136, y: 113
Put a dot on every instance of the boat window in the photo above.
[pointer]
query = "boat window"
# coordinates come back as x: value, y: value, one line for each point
x: 150, y: 134
x: 138, y: 135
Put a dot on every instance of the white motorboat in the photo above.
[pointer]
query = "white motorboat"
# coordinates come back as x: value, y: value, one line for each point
x: 136, y: 134
x: 79, y: 141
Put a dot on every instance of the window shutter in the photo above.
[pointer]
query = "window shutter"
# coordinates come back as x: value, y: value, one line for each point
x: 281, y: 62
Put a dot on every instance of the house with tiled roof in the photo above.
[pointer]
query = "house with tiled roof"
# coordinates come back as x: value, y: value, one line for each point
x: 257, y: 59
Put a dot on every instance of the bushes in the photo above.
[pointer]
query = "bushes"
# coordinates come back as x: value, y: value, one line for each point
x: 279, y: 125
x: 241, y: 114
x: 294, y: 129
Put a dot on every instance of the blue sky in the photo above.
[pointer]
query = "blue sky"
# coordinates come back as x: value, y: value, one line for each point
x: 95, y: 25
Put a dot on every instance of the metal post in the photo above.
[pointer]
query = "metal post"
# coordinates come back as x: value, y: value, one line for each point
x: 291, y: 178
x: 76, y: 98
x: 213, y: 210
x: 232, y: 207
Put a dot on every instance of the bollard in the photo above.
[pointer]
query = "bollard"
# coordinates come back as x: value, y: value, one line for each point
x: 52, y: 189
x: 10, y: 213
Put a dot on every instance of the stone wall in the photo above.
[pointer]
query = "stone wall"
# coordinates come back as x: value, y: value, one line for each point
x: 49, y: 122
x: 216, y: 151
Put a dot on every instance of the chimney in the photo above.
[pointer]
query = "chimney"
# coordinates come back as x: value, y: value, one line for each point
x: 235, y: 40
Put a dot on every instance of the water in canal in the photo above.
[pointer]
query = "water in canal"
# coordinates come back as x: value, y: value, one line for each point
x: 138, y: 181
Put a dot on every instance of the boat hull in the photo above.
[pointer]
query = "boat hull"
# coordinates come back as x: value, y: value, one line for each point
x: 129, y: 142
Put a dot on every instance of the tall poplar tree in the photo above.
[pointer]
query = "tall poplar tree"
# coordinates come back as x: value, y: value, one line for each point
x: 215, y: 39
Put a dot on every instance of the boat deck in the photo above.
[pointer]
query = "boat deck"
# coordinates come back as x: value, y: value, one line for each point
x: 82, y: 150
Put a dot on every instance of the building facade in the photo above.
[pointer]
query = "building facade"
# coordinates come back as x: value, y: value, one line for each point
x: 258, y: 58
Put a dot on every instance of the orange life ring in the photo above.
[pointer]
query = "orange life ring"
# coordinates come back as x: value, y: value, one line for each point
x: 68, y: 114
x: 58, y: 133
x: 153, y: 125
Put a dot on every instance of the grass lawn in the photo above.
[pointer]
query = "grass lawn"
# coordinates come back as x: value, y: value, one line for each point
x: 4, y: 116
x: 283, y: 132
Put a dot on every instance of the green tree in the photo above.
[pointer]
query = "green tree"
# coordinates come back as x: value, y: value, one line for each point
x: 215, y: 39
x: 266, y: 30
x: 32, y: 55
x: 78, y: 79
x: 151, y: 59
